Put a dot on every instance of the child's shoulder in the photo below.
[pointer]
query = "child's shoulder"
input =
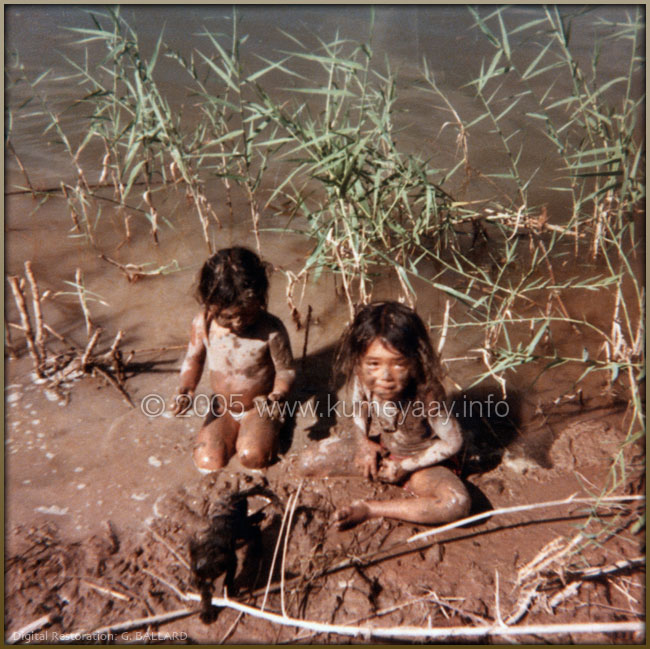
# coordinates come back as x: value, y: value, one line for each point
x: 199, y: 322
x: 430, y: 394
x: 199, y: 327
x: 271, y: 324
x: 199, y: 318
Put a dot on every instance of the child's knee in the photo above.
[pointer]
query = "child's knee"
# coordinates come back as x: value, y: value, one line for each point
x: 447, y: 490
x: 460, y: 502
x: 210, y: 457
x: 254, y: 457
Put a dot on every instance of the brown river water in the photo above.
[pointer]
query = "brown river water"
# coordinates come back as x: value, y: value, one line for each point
x: 96, y: 458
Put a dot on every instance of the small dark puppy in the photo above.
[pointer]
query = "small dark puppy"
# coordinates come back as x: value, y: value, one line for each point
x: 213, y: 549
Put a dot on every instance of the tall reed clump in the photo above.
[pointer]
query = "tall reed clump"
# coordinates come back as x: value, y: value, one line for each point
x: 368, y: 206
x: 365, y: 204
x: 142, y: 138
x: 594, y: 127
x: 238, y: 141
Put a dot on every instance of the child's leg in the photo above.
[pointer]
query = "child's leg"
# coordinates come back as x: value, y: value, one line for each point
x: 440, y: 497
x: 215, y: 443
x: 257, y: 439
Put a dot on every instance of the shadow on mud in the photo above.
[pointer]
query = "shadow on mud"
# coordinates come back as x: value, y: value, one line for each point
x: 313, y: 382
x: 489, y: 423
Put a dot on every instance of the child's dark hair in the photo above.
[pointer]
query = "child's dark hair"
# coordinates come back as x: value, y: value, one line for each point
x: 400, y: 327
x: 233, y: 277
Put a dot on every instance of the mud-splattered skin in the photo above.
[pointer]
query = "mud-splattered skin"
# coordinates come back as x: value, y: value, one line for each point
x: 408, y: 420
x: 253, y: 362
x: 249, y: 358
x: 407, y: 428
x: 415, y: 428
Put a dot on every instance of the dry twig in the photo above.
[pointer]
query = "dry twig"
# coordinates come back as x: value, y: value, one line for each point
x: 28, y: 629
x: 38, y: 314
x: 183, y: 562
x: 81, y: 292
x: 57, y: 369
x: 275, y: 553
x: 369, y: 632
x: 106, y: 591
x: 19, y: 297
x: 571, y: 500
x: 286, y: 545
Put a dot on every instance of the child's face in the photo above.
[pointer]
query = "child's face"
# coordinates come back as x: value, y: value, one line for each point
x: 238, y: 318
x: 384, y: 371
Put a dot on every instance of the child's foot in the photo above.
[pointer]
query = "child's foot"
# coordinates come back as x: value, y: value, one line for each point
x: 352, y: 515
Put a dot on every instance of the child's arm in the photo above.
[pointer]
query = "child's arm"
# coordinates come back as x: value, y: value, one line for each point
x: 192, y: 366
x: 449, y: 441
x: 282, y: 358
x: 367, y: 450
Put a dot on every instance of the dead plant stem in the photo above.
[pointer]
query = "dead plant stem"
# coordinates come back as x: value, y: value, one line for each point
x: 286, y: 545
x: 522, y: 508
x: 38, y: 313
x: 81, y: 292
x: 28, y: 629
x: 128, y: 625
x: 369, y: 632
x: 26, y: 323
x: 275, y: 553
x: 89, y: 348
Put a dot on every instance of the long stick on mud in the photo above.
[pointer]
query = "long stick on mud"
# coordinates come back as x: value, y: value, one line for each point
x: 28, y: 629
x: 369, y: 632
x: 521, y: 508
x: 430, y: 597
x: 85, y: 635
x: 407, y: 632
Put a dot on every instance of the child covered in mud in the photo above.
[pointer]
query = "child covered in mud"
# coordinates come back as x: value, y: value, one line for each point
x: 399, y: 418
x: 249, y: 358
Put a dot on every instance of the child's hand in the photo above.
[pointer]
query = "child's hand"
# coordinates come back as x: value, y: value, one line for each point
x: 276, y: 396
x: 182, y: 401
x: 391, y: 471
x: 366, y: 459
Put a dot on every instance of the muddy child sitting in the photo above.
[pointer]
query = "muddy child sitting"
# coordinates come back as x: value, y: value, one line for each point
x: 392, y: 373
x: 249, y: 358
